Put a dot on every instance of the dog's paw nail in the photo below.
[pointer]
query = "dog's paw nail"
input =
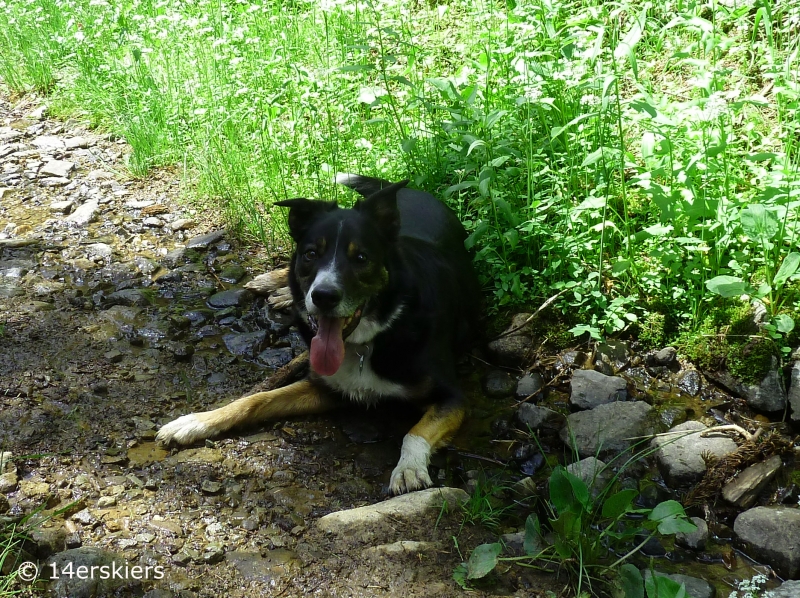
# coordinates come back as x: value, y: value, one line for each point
x: 408, y: 480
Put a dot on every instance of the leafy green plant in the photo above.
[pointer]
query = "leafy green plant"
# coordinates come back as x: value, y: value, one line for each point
x: 483, y: 507
x: 586, y: 532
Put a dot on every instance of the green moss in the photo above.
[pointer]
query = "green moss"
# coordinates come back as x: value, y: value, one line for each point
x: 727, y: 338
x: 652, y: 333
x: 752, y: 361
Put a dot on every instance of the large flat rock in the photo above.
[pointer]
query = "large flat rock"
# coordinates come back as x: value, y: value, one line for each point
x: 608, y: 429
x: 680, y: 453
x: 368, y: 522
x: 771, y: 536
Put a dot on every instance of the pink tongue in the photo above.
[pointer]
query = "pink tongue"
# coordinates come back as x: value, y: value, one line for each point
x: 327, y: 348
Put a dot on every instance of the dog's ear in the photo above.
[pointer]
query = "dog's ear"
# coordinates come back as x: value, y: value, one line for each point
x: 302, y: 211
x: 381, y: 207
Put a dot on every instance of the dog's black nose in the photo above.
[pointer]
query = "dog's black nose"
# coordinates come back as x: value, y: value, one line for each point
x: 326, y: 297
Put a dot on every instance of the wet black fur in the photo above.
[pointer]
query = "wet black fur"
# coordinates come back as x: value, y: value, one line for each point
x: 419, y: 242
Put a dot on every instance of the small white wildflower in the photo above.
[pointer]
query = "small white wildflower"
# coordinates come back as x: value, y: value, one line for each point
x: 590, y: 100
x: 715, y: 106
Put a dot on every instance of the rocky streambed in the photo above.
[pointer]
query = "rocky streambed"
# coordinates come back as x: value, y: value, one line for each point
x: 122, y: 308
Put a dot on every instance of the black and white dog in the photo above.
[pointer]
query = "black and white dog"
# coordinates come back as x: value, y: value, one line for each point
x: 386, y: 297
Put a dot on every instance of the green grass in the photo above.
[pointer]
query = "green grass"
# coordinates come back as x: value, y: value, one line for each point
x: 610, y: 148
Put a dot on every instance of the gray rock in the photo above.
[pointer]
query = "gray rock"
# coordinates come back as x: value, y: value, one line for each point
x: 54, y: 181
x: 84, y: 214
x: 153, y: 222
x: 498, y: 384
x: 695, y: 540
x: 279, y: 563
x: 230, y: 298
x: 590, y: 389
x: 74, y: 586
x: 77, y: 143
x: 771, y: 535
x: 664, y: 357
x: 176, y: 257
x: 145, y: 265
x: 48, y: 143
x: 743, y: 490
x: 794, y: 391
x: 205, y: 241
x: 788, y: 589
x: 57, y: 168
x: 232, y: 274
x: 409, y: 548
x: 62, y: 207
x: 181, y: 224
x: 691, y: 382
x: 679, y: 455
x: 372, y: 520
x: 537, y: 417
x: 695, y: 587
x: 514, y: 543
x: 769, y: 395
x: 511, y: 350
x: 128, y: 298
x: 592, y: 472
x: 100, y: 250
x: 247, y: 344
x: 275, y: 358
x: 529, y: 385
x: 607, y: 429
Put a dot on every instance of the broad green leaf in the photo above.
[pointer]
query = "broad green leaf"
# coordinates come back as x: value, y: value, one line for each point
x: 727, y: 286
x: 787, y: 269
x: 482, y: 560
x: 579, y: 489
x: 784, y: 323
x: 758, y: 222
x: 533, y: 535
x: 477, y: 234
x: 631, y: 581
x: 673, y: 525
x: 668, y: 508
x: 409, y: 144
x: 620, y: 267
x: 619, y: 503
x: 595, y: 156
x: 560, y: 490
x: 658, y: 586
x: 659, y: 230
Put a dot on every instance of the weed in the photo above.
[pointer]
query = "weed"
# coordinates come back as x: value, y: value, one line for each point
x: 483, y: 507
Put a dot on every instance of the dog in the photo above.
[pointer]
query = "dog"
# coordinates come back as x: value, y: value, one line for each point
x: 386, y: 297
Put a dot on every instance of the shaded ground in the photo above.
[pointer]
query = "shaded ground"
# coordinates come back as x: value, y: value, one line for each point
x: 106, y: 335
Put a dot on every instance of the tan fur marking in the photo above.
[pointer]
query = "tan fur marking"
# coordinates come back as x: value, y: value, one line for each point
x: 352, y: 250
x: 437, y: 426
x: 300, y: 398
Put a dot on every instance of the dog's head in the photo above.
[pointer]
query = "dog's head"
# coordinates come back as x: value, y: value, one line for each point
x: 340, y: 263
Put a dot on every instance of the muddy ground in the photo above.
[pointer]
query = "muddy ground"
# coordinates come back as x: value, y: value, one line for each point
x: 107, y: 334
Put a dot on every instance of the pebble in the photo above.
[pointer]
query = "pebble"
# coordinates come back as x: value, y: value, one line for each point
x: 205, y: 241
x: 57, y: 168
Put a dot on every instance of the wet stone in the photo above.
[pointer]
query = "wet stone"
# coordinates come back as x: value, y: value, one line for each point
x: 537, y: 417
x: 794, y: 391
x: 230, y: 298
x: 771, y: 535
x: 204, y: 241
x: 769, y: 395
x: 745, y: 488
x: 607, y: 429
x: 590, y: 389
x: 695, y: 540
x: 199, y: 316
x: 275, y: 358
x: 361, y: 432
x: 691, y: 382
x: 499, y: 384
x: 664, y: 357
x: 511, y: 350
x: 232, y: 274
x: 247, y: 344
x: 680, y: 454
x: 174, y: 258
x: 529, y: 385
x: 128, y: 298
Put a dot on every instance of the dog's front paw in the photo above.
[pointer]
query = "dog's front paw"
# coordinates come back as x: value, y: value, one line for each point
x: 411, y: 472
x: 407, y: 479
x: 184, y: 430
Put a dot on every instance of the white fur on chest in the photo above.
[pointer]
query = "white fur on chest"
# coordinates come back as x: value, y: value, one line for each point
x: 362, y: 384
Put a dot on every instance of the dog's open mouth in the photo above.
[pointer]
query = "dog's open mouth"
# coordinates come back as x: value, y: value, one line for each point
x: 327, y: 346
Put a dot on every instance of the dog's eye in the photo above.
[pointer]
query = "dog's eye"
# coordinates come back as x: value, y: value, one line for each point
x: 310, y: 255
x: 361, y: 258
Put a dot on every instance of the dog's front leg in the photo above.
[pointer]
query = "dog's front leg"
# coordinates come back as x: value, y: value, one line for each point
x: 435, y: 428
x: 300, y: 398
